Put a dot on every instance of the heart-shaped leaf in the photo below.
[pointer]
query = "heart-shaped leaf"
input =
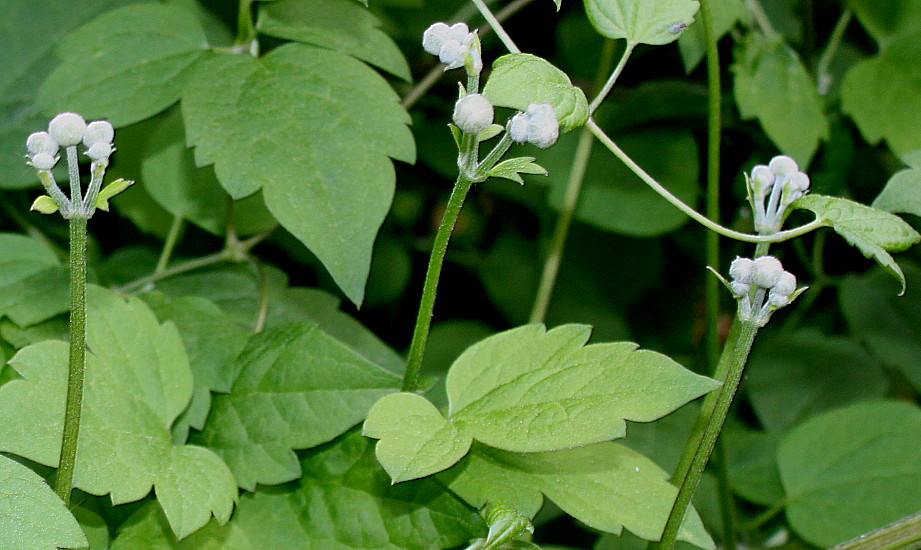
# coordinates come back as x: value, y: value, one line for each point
x: 652, y: 22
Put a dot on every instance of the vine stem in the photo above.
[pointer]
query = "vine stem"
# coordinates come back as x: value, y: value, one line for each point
x: 496, y: 26
x: 430, y: 288
x: 606, y: 89
x: 170, y: 244
x: 709, y: 424
x: 77, y: 363
x: 904, y: 533
x: 757, y: 11
x: 823, y: 77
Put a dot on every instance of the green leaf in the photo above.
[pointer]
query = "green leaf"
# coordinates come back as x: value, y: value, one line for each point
x: 511, y: 168
x: 883, y: 95
x: 212, y: 342
x: 902, y: 193
x: 36, y: 297
x: 600, y: 485
x: 297, y: 388
x: 339, y: 25
x: 852, y: 470
x: 313, y: 128
x: 532, y: 390
x: 137, y: 383
x: 109, y: 191
x: 752, y: 465
x: 693, y: 44
x: 520, y: 79
x: 874, y: 232
x: 94, y: 527
x: 792, y: 377
x: 887, y: 324
x: 772, y: 85
x: 343, y: 502
x: 126, y: 65
x: 887, y: 19
x: 31, y: 515
x: 44, y: 204
x: 641, y: 21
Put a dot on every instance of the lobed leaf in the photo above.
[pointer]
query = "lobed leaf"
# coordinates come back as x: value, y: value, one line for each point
x: 511, y: 169
x: 642, y: 21
x: 874, y: 232
x: 902, y: 193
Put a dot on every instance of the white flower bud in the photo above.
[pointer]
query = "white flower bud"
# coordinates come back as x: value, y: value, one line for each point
x: 739, y: 289
x: 786, y: 285
x: 518, y: 128
x: 44, y: 161
x: 67, y: 129
x: 453, y: 54
x: 98, y: 131
x: 435, y: 36
x: 777, y: 300
x: 799, y: 180
x: 783, y: 165
x: 543, y: 129
x: 762, y: 180
x: 766, y: 271
x: 41, y: 142
x: 99, y: 151
x: 473, y: 113
x: 741, y: 270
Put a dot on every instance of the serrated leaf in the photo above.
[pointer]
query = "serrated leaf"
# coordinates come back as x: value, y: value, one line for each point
x: 109, y: 191
x: 600, y: 485
x: 887, y: 324
x: 314, y: 129
x: 641, y: 21
x: 343, y: 502
x: 44, y: 204
x: 533, y: 390
x: 882, y: 95
x: 902, y: 193
x: 772, y: 85
x: 212, y: 342
x: 693, y: 44
x: 852, y: 470
x: 335, y: 24
x: 511, y: 168
x: 874, y: 232
x: 137, y: 383
x: 520, y: 79
x: 297, y: 388
x: 126, y: 65
x: 31, y: 515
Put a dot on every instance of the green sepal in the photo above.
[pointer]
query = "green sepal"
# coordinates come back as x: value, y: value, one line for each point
x: 491, y: 132
x: 456, y: 134
x: 44, y: 204
x: 511, y: 168
x: 109, y: 191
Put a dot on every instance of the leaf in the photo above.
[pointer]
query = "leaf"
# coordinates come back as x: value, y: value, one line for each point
x: 852, y: 470
x: 793, y: 377
x: 520, y: 79
x: 94, y: 527
x: 31, y: 515
x: 872, y: 231
x: 343, y: 502
x: 296, y: 388
x: 882, y: 95
x: 887, y: 324
x: 885, y: 20
x: 109, y: 191
x: 511, y: 168
x: 313, y: 128
x: 772, y: 85
x: 641, y: 21
x: 36, y: 297
x: 126, y: 65
x: 601, y: 485
x: 44, y: 204
x: 137, y: 383
x: 902, y: 193
x: 752, y: 465
x: 693, y: 44
x: 532, y: 390
x: 212, y: 342
x: 339, y: 25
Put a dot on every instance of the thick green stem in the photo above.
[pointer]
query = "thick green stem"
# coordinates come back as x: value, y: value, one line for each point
x: 430, y: 288
x: 246, y: 30
x: 709, y: 423
x: 902, y: 534
x: 65, y: 476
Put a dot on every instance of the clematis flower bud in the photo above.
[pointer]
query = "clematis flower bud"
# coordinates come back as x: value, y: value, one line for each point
x: 41, y: 142
x: 766, y: 271
x: 538, y: 125
x: 99, y: 151
x: 783, y: 182
x: 98, y: 131
x: 43, y: 161
x: 67, y: 129
x: 435, y: 37
x: 741, y: 270
x: 473, y: 113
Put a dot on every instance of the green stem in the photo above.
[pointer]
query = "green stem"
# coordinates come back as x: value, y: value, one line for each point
x: 430, y: 288
x: 606, y: 89
x: 757, y: 11
x: 74, y: 405
x: 711, y: 417
x: 904, y: 533
x: 834, y: 42
x: 170, y: 244
x: 246, y: 30
x: 693, y: 214
x: 496, y: 26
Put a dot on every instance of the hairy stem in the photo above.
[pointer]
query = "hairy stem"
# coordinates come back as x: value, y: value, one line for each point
x: 902, y: 534
x: 430, y: 288
x: 74, y: 405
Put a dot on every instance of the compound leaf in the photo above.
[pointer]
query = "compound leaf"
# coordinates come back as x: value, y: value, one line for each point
x: 642, y: 21
x: 297, y: 387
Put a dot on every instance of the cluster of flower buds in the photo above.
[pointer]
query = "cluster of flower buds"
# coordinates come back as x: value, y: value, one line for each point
x: 761, y: 286
x: 780, y: 183
x: 68, y: 130
x: 538, y: 126
x: 454, y: 45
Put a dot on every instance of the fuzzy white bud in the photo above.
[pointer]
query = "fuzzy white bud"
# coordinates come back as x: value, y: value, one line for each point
x: 739, y: 289
x: 741, y: 270
x: 41, y: 142
x: 473, y: 113
x: 436, y: 35
x: 99, y: 151
x: 766, y: 271
x: 44, y: 161
x: 783, y: 165
x: 518, y: 128
x: 67, y: 129
x: 777, y: 300
x: 537, y: 125
x: 786, y: 285
x: 98, y: 131
x: 453, y: 54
